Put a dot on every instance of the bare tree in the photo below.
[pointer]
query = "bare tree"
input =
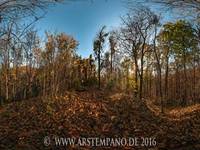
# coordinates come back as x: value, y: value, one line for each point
x: 23, y: 8
x: 113, y: 46
x: 157, y: 53
x: 135, y: 37
x: 193, y: 4
x: 98, y: 48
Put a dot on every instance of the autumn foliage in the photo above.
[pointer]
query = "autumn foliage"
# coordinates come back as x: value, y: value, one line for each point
x: 140, y: 80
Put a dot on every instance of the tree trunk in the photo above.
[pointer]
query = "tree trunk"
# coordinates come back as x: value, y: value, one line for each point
x: 166, y: 77
x: 141, y: 75
x: 99, y: 63
x: 158, y: 70
x: 185, y: 80
x: 194, y: 82
x: 136, y: 77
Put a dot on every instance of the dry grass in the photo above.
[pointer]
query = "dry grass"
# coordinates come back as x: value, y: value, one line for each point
x: 176, y: 114
x: 179, y: 112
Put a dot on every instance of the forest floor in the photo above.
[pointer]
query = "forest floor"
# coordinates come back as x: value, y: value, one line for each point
x: 25, y: 124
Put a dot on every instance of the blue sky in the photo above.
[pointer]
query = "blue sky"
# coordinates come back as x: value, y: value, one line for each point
x: 82, y: 20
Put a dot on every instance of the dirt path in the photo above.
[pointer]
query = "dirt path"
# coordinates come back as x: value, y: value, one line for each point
x: 23, y: 125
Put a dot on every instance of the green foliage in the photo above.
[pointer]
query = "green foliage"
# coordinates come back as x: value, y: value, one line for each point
x: 99, y: 41
x: 98, y: 48
x: 111, y: 84
x: 180, y: 36
x: 90, y: 82
x: 77, y: 84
